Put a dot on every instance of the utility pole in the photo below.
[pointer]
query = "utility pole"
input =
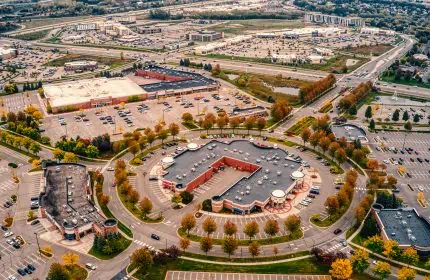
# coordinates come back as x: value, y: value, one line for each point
x: 38, y: 245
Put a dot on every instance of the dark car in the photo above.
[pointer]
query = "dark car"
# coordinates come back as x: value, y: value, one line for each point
x: 154, y: 236
x: 21, y: 271
x: 35, y: 222
x: 28, y: 271
x: 31, y: 267
x: 337, y: 231
x: 16, y: 245
x: 4, y: 228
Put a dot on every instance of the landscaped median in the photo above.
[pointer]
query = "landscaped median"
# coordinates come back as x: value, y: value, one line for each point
x: 129, y: 196
x: 245, y: 242
x: 106, y: 211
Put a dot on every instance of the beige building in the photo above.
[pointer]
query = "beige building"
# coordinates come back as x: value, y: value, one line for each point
x: 334, y: 20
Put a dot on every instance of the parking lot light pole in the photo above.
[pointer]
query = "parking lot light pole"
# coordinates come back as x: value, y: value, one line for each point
x: 38, y: 245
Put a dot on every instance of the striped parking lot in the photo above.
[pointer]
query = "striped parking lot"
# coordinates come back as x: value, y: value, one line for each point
x: 192, y: 275
x: 33, y: 258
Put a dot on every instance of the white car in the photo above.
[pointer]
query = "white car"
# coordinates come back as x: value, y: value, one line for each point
x: 420, y: 188
x: 386, y: 161
x: 110, y: 169
x: 91, y: 266
x: 12, y: 277
x: 7, y: 234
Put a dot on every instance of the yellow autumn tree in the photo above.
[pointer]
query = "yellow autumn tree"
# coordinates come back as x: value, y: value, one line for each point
x: 406, y: 273
x: 391, y: 248
x: 70, y: 258
x: 341, y: 269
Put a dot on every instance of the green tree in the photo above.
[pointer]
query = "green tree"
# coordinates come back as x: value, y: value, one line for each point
x: 396, y: 115
x: 416, y: 118
x: 382, y: 269
x: 229, y: 245
x: 35, y: 148
x: 360, y: 261
x: 372, y: 124
x: 58, y: 272
x: 368, y: 114
x: 405, y: 116
x: 92, y: 151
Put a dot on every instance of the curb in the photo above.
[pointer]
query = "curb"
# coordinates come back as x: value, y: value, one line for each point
x: 246, y: 263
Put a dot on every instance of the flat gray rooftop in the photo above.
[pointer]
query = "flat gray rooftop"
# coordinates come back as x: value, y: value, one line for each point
x: 350, y: 132
x: 261, y: 182
x: 65, y: 198
x: 408, y: 227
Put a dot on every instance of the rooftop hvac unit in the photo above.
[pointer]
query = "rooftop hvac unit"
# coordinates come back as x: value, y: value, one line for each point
x: 248, y: 192
x: 239, y: 199
x: 242, y: 193
x: 274, y: 182
x: 279, y: 173
x: 258, y: 160
x: 75, y: 222
x: 225, y: 149
x: 409, y: 216
x: 234, y: 150
x: 259, y: 182
x: 267, y: 171
x: 265, y: 177
x: 193, y: 169
x: 240, y: 152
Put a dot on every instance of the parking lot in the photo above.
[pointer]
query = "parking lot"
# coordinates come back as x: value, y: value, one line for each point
x: 349, y: 39
x: 385, y: 113
x: 193, y: 275
x: 30, y: 64
x: 18, y: 101
x: 116, y: 120
x: 413, y: 162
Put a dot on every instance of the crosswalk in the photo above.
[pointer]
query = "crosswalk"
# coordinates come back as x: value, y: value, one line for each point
x: 144, y: 245
x: 11, y: 269
x: 333, y: 248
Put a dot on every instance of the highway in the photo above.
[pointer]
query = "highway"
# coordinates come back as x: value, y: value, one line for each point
x: 99, y: 18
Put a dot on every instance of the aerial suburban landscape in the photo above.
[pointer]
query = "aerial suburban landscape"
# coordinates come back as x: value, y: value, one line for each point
x: 214, y: 139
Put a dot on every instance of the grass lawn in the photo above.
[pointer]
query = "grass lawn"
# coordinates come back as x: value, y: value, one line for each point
x: 109, y: 61
x: 239, y: 26
x: 246, y: 260
x: 335, y: 64
x: 246, y: 242
x: 411, y: 82
x: 301, y: 124
x: 326, y: 107
x: 33, y: 35
x: 136, y: 211
x: 77, y: 272
x: 190, y: 125
x: 376, y: 50
x: 30, y: 155
x: 102, y: 256
x: 262, y: 86
x: 305, y: 266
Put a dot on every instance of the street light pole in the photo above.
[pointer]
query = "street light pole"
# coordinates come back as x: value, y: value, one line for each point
x: 38, y: 245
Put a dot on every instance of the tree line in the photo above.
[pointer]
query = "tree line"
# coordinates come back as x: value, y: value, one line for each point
x: 351, y: 99
x: 309, y: 92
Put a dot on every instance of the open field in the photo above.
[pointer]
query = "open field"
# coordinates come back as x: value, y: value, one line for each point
x: 34, y: 23
x: 109, y: 61
x: 240, y: 26
x: 375, y: 50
